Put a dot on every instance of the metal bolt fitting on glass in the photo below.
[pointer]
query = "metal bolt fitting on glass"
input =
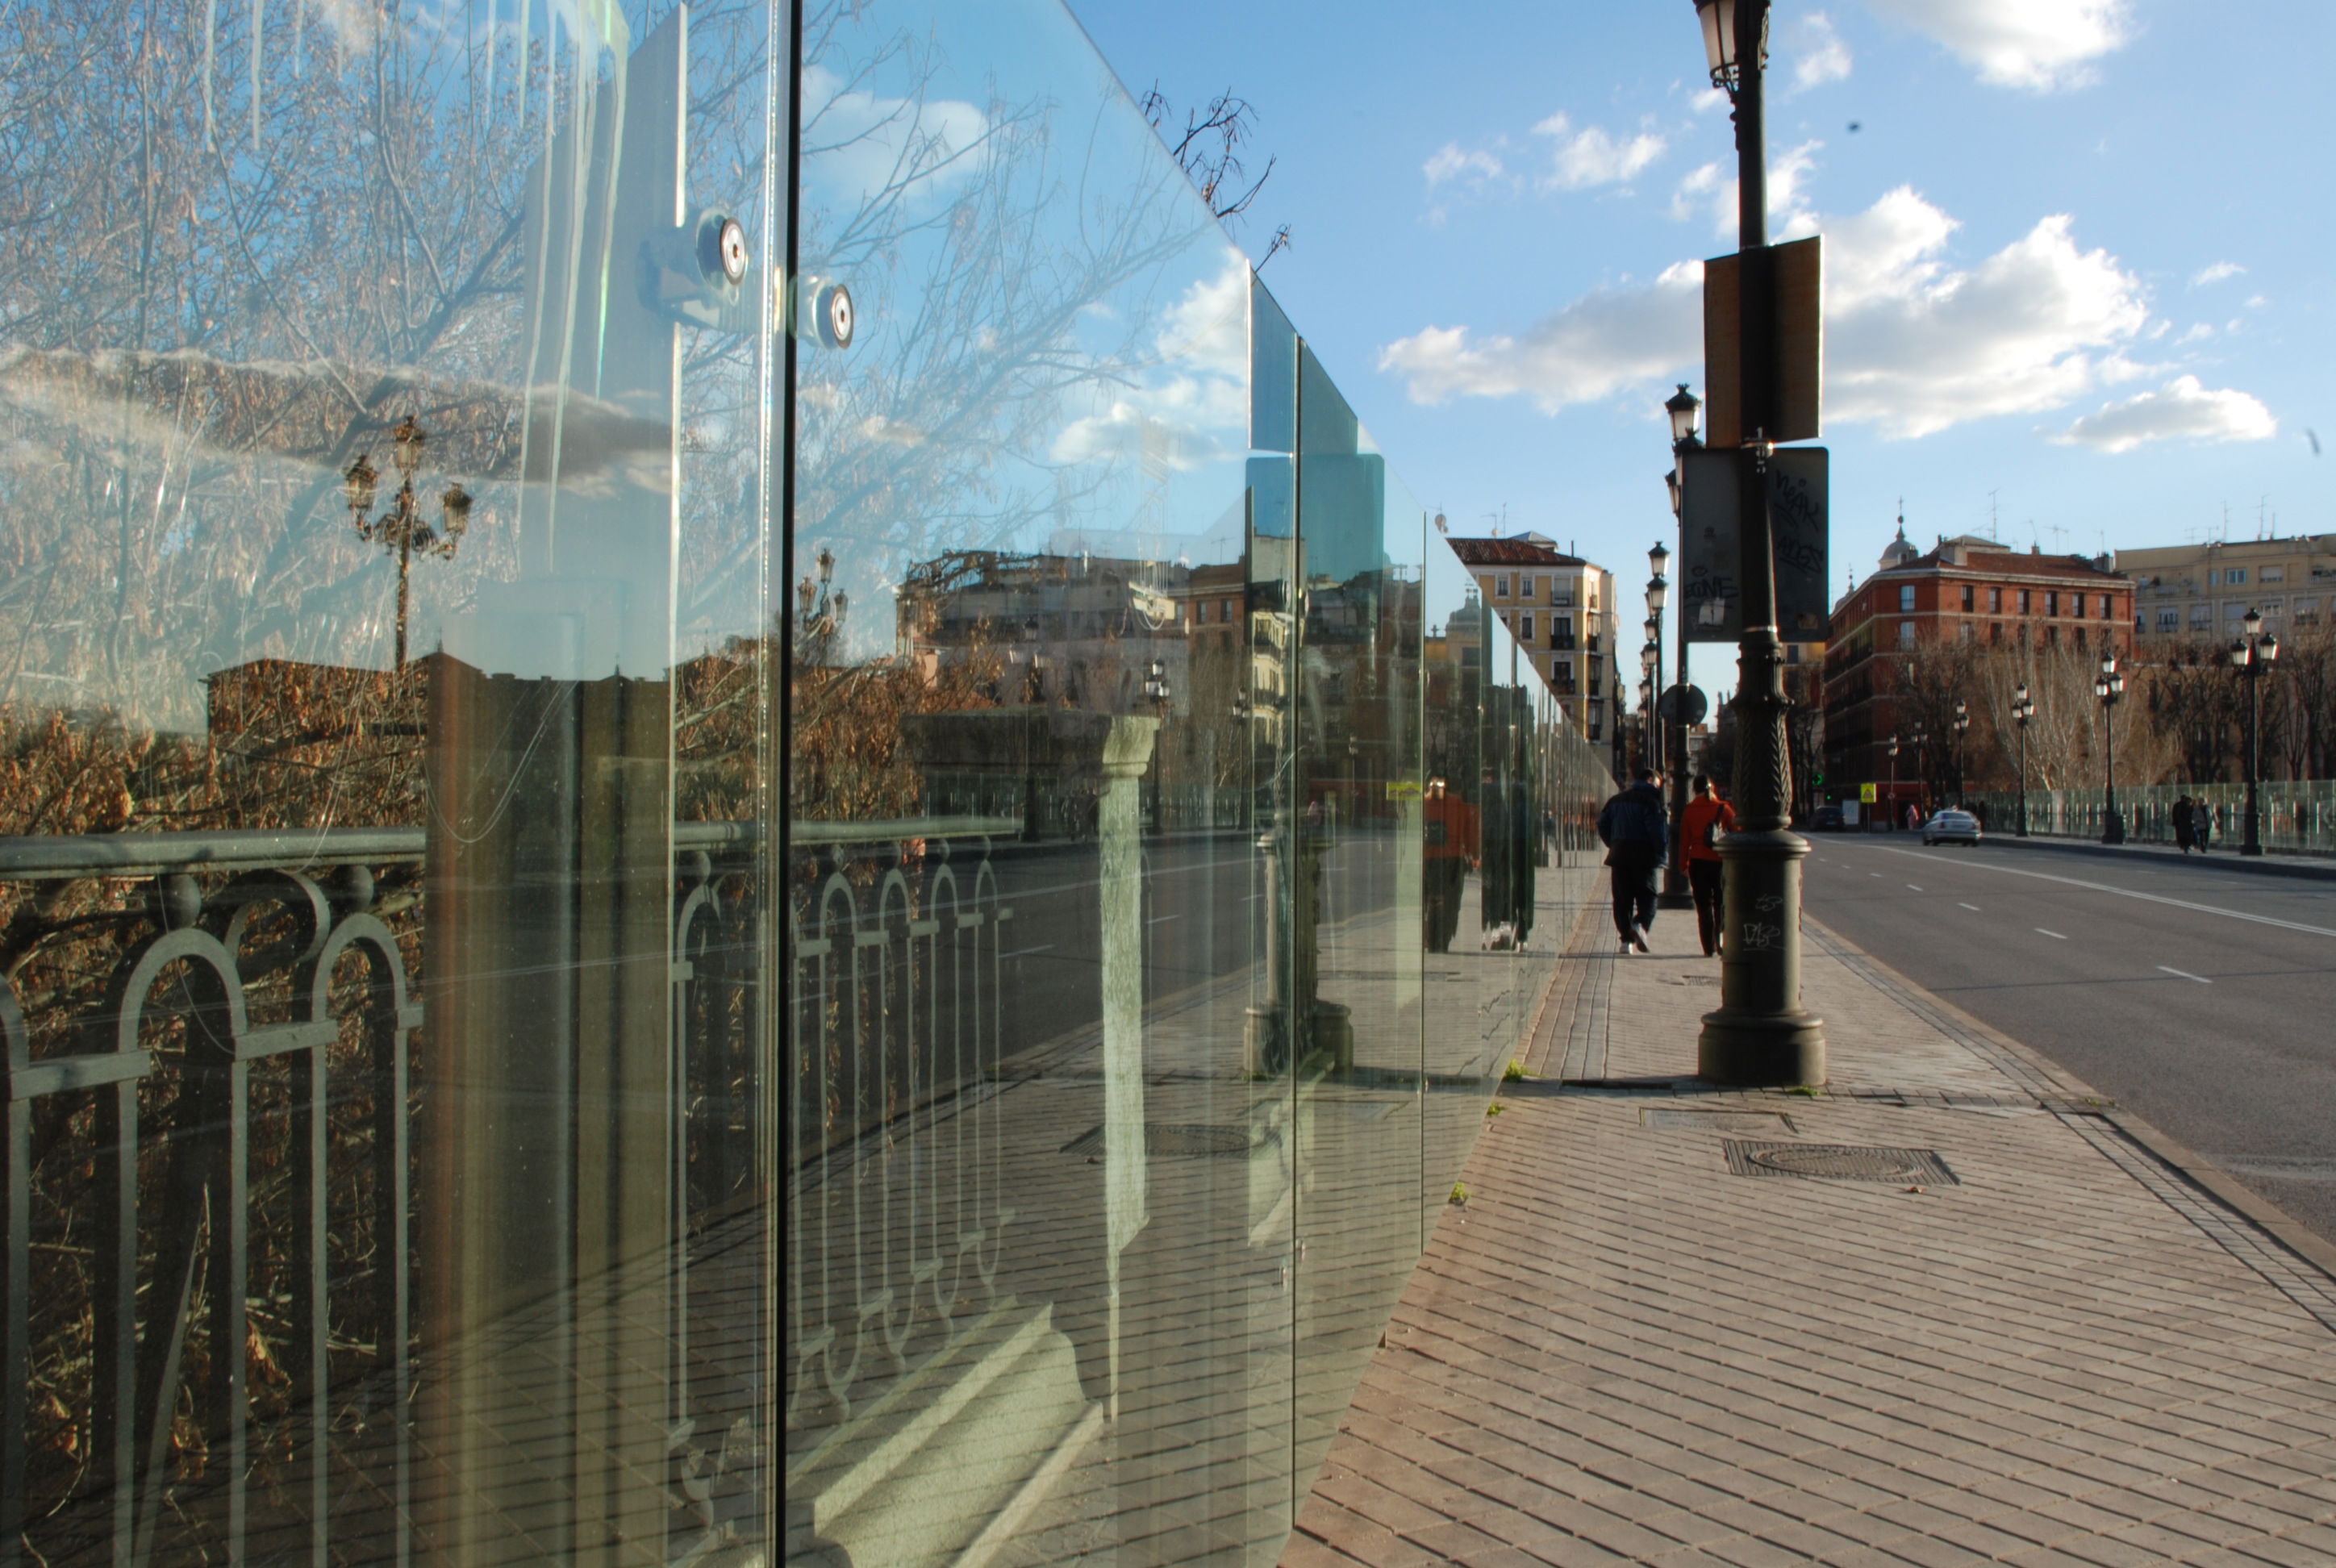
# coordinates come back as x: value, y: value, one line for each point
x: 1760, y: 1033
x: 2109, y: 686
x: 2252, y: 655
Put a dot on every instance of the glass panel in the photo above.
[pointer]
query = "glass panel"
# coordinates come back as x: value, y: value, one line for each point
x: 1040, y: 1159
x: 386, y: 487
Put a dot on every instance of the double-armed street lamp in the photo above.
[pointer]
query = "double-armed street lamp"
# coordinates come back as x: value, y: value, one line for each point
x: 1961, y: 725
x: 2253, y: 656
x: 1920, y: 741
x: 2109, y: 686
x: 403, y: 528
x: 2023, y: 708
x: 1760, y: 1033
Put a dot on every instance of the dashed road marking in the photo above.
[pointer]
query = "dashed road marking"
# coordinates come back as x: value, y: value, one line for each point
x: 1973, y: 908
x: 1911, y: 885
x: 2137, y: 893
x: 2054, y: 935
x: 2185, y: 974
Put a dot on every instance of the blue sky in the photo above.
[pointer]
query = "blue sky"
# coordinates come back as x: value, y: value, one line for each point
x: 2077, y: 251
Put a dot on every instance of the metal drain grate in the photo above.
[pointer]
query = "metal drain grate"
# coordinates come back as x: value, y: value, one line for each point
x: 1839, y: 1162
x: 1182, y: 1140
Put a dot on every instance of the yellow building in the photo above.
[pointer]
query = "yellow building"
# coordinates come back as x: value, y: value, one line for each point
x: 2191, y: 593
x: 1561, y: 609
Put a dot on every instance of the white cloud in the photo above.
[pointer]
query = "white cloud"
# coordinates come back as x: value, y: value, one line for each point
x: 857, y: 143
x: 1593, y: 155
x: 1128, y: 431
x: 2198, y: 332
x: 1451, y: 162
x: 2216, y: 273
x: 2037, y: 45
x: 1711, y: 188
x: 1819, y: 56
x: 2181, y: 410
x: 1594, y: 347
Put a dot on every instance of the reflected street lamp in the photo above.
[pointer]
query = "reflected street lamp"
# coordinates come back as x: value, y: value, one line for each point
x: 2109, y: 686
x: 401, y: 527
x: 2023, y: 708
x: 2253, y: 656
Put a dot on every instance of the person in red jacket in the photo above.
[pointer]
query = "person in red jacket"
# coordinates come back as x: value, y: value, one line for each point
x: 1700, y: 825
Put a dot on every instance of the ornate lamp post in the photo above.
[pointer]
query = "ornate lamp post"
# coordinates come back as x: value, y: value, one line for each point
x: 1920, y: 741
x: 1889, y: 804
x: 2109, y: 686
x: 1156, y: 693
x: 1962, y: 724
x: 1760, y: 1033
x: 2023, y: 708
x: 1650, y: 741
x: 2253, y: 656
x: 402, y: 527
x: 1681, y: 408
x: 821, y: 606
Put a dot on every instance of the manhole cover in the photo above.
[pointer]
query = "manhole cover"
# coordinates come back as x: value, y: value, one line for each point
x: 1178, y: 1140
x: 1839, y: 1161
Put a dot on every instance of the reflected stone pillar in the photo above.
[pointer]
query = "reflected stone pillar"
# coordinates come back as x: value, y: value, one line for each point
x: 1127, y: 751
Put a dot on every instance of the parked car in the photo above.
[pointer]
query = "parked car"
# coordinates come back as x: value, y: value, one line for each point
x: 1827, y: 819
x: 1951, y: 827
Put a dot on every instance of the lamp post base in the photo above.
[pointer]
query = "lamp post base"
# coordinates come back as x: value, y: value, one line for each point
x: 1761, y: 1037
x: 2113, y: 828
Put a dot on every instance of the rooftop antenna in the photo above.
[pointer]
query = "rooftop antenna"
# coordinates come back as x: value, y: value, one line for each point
x: 2262, y: 511
x: 1990, y: 516
x: 1499, y: 520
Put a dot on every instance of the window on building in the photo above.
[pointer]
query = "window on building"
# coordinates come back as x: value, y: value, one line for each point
x: 2231, y: 574
x: 1906, y: 631
x: 1504, y: 589
x: 2052, y: 601
x: 2023, y: 601
x: 1969, y: 594
x: 2232, y: 608
x: 2273, y: 574
x: 1968, y: 631
x: 2077, y: 604
x: 2170, y: 619
x: 2051, y: 636
x: 1995, y: 633
x: 1907, y: 597
x: 1526, y: 588
x: 2201, y: 616
x: 2080, y: 636
x: 2307, y: 612
x: 1528, y: 628
x: 1995, y: 601
x: 1228, y: 616
x: 1561, y: 631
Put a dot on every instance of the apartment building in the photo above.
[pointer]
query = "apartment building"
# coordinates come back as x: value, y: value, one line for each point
x: 1561, y: 609
x: 2193, y: 593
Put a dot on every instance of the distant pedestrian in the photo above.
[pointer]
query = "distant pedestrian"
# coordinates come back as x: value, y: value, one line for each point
x: 2207, y: 818
x: 2186, y: 828
x: 1706, y: 818
x: 1913, y: 817
x: 1636, y: 833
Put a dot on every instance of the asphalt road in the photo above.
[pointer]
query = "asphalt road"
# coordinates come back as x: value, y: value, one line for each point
x: 2202, y: 998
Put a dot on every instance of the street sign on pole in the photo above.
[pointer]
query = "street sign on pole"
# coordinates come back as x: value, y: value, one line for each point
x: 1795, y: 283
x: 1669, y: 706
x: 1711, y: 598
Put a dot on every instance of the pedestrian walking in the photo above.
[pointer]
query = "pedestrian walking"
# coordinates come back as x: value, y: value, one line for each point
x: 2208, y: 820
x: 2185, y: 828
x: 1706, y: 818
x: 1914, y: 818
x: 1635, y: 831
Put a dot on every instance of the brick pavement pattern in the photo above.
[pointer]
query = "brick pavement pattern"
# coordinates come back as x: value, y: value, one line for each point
x: 1620, y: 1351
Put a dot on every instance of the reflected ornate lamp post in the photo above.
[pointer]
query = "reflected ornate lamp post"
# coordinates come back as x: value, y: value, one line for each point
x: 1760, y: 1033
x: 2109, y: 686
x: 821, y: 606
x: 2253, y: 656
x: 1156, y: 693
x: 401, y: 527
x: 2023, y: 708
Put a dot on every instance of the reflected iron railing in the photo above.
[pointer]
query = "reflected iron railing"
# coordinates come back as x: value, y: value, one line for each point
x: 297, y: 952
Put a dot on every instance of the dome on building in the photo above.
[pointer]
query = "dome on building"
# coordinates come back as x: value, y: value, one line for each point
x: 1899, y: 552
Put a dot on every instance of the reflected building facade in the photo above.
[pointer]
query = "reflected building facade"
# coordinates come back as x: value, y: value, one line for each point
x: 731, y: 830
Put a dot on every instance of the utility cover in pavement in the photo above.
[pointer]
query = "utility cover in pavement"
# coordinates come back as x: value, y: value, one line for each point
x: 1840, y: 1163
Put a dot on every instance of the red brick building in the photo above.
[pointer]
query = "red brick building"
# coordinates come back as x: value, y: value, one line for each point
x: 1969, y: 592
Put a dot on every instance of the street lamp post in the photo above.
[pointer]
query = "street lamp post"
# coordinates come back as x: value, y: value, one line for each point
x: 1760, y: 1033
x: 2253, y: 656
x: 1962, y: 724
x: 1156, y: 692
x: 1920, y: 741
x: 2023, y: 708
x: 1890, y: 803
x: 2109, y: 686
x: 402, y: 527
x: 1681, y: 408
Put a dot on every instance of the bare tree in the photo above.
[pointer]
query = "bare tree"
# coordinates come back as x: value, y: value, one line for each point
x: 1209, y: 152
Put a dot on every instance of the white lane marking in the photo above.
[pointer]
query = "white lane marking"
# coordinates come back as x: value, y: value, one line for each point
x: 2054, y: 935
x: 1873, y: 873
x: 2133, y: 893
x: 1911, y: 885
x: 1973, y: 908
x: 2185, y: 974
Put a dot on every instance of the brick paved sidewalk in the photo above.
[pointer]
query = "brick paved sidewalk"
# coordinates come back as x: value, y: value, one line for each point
x: 2055, y: 1351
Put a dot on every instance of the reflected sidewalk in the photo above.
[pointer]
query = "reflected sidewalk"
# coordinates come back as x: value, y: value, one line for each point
x: 1665, y: 1329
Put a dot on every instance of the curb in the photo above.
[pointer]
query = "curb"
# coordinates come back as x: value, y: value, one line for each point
x: 2262, y: 866
x: 2195, y: 1169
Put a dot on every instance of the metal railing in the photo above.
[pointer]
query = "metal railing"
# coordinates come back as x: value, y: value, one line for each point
x: 223, y: 1131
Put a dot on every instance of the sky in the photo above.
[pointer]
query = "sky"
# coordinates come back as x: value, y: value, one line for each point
x: 2077, y: 251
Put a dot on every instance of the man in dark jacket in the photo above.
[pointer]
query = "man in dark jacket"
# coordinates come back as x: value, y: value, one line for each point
x: 1636, y: 833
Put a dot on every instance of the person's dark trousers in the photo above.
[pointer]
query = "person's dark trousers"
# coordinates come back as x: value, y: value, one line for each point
x: 1634, y: 890
x: 1703, y: 877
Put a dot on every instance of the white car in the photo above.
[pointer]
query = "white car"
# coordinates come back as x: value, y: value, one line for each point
x: 1951, y: 827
